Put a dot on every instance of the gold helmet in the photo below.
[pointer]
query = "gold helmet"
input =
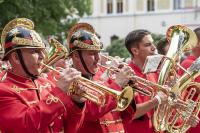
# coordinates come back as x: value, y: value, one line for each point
x: 82, y: 37
x: 19, y: 33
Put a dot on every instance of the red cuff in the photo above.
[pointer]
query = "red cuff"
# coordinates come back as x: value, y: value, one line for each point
x: 66, y: 101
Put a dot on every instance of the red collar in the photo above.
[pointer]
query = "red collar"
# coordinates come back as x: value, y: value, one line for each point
x: 137, y: 70
x: 20, y: 80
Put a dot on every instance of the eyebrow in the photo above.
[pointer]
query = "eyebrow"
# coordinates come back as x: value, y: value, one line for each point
x: 147, y: 43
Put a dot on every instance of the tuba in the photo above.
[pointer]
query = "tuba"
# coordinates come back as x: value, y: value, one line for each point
x: 167, y: 117
x: 92, y: 91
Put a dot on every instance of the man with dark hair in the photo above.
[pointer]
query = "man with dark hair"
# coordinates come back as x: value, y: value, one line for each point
x: 133, y: 37
x: 140, y: 44
x: 28, y: 102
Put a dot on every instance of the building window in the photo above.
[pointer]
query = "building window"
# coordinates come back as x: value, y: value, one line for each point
x: 177, y: 4
x: 150, y: 5
x: 109, y: 6
x: 163, y: 4
x: 188, y: 4
x: 119, y: 6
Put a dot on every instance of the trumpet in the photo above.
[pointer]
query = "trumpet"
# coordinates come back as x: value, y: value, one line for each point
x: 123, y: 97
x: 140, y: 82
x: 92, y: 91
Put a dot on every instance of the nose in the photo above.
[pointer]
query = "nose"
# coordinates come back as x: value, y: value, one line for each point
x: 42, y: 54
x: 153, y: 48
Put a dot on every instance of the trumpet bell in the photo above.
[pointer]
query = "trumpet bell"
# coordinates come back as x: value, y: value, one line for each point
x: 124, y: 98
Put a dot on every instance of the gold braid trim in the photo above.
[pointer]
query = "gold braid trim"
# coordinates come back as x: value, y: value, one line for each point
x: 24, y: 41
x: 82, y: 45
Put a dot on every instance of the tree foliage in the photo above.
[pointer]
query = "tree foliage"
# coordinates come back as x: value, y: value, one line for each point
x: 117, y: 47
x: 51, y: 17
x: 157, y: 37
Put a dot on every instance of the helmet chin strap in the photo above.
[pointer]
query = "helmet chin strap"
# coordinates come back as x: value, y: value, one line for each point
x: 89, y: 75
x: 19, y: 53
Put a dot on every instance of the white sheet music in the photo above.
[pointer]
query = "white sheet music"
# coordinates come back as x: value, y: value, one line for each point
x: 152, y: 62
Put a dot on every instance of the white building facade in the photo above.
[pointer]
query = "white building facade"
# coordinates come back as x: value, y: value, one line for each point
x: 119, y: 17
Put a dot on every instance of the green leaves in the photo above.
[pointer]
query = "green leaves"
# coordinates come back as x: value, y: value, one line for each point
x: 117, y: 48
x: 51, y: 17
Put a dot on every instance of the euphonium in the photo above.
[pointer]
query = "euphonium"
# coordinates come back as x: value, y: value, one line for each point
x: 189, y: 91
x: 92, y: 91
x: 182, y: 39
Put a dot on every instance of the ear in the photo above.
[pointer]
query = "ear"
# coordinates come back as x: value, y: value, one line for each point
x: 14, y: 57
x: 134, y: 51
x: 75, y: 55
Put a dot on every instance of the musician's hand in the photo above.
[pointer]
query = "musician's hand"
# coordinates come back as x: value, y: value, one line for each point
x: 179, y: 104
x: 193, y: 121
x: 161, y: 97
x: 124, y: 76
x: 80, y: 90
x: 67, y: 76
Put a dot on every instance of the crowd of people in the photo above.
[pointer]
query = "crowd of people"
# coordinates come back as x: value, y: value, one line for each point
x: 60, y: 101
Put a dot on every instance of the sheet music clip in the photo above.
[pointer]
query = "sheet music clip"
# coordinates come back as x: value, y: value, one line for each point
x: 151, y: 63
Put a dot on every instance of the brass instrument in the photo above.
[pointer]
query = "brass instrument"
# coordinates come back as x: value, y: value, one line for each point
x: 166, y: 117
x: 56, y: 52
x: 139, y: 82
x: 92, y: 91
x: 182, y: 40
x: 152, y: 87
x: 189, y: 90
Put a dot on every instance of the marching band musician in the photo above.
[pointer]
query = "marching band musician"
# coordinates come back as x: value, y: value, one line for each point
x: 140, y: 44
x: 28, y: 102
x: 84, y: 49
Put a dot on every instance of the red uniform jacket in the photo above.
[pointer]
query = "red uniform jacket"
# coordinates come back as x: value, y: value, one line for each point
x: 28, y: 106
x: 142, y: 124
x: 105, y: 119
x: 186, y: 64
